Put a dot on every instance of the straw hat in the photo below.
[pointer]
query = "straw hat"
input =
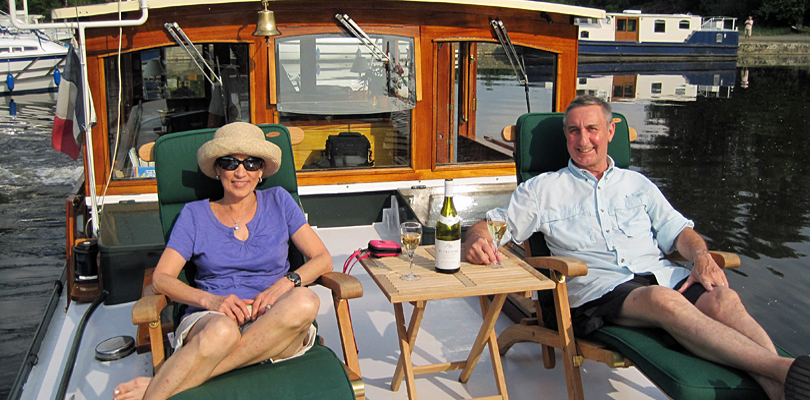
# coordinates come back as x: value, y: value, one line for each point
x: 238, y: 138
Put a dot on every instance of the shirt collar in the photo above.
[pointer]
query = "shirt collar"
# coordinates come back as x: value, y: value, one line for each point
x: 581, y: 173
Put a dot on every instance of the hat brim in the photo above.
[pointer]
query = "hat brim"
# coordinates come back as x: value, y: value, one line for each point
x: 226, y: 146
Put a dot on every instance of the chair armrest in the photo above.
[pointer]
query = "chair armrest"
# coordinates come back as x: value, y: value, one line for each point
x: 568, y: 266
x: 147, y: 309
x: 343, y: 286
x: 722, y: 258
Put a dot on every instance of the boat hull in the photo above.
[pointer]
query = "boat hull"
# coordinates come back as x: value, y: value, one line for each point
x: 698, y: 47
x: 32, y: 73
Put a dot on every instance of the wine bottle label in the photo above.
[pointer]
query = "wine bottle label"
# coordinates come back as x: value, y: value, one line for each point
x: 449, y: 220
x: 448, y: 254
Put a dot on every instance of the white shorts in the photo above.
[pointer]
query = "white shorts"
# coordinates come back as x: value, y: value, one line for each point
x: 188, y: 322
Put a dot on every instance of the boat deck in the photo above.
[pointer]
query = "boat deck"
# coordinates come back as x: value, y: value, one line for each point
x: 447, y: 332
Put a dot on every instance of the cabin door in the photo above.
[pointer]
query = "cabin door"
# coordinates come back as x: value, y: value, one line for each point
x: 456, y: 97
x: 627, y: 29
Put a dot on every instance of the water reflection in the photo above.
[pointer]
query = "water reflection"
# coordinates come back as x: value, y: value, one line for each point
x: 656, y: 81
x: 734, y: 160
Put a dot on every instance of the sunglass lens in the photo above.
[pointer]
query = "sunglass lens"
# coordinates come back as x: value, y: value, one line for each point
x: 253, y: 164
x: 250, y: 163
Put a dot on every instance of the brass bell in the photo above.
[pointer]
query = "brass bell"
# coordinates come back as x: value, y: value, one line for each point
x: 267, y: 23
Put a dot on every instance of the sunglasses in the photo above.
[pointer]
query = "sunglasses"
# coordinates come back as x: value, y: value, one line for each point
x: 231, y: 163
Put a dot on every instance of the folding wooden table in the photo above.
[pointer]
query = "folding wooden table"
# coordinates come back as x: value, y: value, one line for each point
x: 472, y: 280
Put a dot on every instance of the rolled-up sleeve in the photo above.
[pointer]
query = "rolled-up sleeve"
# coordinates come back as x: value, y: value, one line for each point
x: 523, y: 212
x: 667, y: 223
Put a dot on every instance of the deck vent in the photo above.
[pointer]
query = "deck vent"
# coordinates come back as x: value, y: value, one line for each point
x: 115, y: 348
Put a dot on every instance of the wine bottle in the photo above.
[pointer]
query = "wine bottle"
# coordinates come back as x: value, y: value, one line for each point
x: 448, y: 234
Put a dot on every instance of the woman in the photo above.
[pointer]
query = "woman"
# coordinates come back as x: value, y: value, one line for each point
x: 246, y: 307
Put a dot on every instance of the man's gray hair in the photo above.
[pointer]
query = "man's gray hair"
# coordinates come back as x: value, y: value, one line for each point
x: 588, y: 100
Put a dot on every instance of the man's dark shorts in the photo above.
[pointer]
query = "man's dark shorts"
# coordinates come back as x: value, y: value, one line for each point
x: 593, y: 314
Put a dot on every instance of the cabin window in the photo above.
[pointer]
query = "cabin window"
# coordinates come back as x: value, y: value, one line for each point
x: 342, y: 96
x: 164, y: 91
x: 684, y: 24
x: 478, y: 94
x: 584, y: 35
x: 621, y: 25
x: 632, y: 25
x: 660, y: 26
x: 656, y: 87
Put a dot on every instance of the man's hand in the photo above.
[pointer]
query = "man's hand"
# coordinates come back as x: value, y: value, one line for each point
x: 479, y: 245
x: 706, y: 272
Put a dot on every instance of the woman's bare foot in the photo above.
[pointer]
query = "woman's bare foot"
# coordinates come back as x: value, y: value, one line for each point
x: 132, y: 390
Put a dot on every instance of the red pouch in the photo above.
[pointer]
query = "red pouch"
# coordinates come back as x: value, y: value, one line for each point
x: 384, y: 248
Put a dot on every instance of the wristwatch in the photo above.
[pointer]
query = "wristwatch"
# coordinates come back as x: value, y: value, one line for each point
x: 294, y: 278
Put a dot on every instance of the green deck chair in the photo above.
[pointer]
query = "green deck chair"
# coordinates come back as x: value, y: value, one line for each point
x: 319, y: 374
x: 540, y: 147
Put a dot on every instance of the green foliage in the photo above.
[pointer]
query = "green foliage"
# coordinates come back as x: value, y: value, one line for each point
x: 788, y: 11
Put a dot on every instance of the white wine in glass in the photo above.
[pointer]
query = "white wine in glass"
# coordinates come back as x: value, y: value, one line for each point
x: 496, y: 224
x: 410, y: 233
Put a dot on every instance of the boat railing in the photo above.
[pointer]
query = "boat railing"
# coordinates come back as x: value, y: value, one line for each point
x: 719, y: 24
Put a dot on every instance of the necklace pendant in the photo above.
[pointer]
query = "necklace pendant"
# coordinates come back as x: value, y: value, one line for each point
x: 236, y: 228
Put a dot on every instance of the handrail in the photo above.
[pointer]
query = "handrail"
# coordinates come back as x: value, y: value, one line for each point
x: 31, y: 357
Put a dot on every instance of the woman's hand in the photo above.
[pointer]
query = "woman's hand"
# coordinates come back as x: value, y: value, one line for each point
x: 269, y: 296
x: 233, y: 307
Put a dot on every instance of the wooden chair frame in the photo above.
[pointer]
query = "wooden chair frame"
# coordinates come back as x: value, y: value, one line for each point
x: 152, y: 333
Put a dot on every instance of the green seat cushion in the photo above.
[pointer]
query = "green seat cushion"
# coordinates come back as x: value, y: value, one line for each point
x: 317, y: 375
x: 676, y: 371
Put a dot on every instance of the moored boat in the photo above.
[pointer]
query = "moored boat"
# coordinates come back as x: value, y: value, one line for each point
x: 635, y: 36
x: 427, y: 84
x: 31, y: 59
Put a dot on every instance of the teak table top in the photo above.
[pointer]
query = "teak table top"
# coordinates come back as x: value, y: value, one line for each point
x: 471, y: 280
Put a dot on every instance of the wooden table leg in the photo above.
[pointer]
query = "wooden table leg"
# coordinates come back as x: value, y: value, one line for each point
x: 407, y: 340
x: 495, y: 354
x: 484, y: 337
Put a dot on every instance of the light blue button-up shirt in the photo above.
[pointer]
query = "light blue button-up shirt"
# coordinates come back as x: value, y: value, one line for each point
x: 619, y: 225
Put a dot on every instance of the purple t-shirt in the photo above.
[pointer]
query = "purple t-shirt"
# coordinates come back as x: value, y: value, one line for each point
x: 227, y: 265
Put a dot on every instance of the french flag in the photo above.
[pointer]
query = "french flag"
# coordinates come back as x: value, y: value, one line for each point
x: 69, y: 120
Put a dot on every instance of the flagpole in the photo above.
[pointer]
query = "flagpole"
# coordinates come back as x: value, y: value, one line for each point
x: 88, y: 135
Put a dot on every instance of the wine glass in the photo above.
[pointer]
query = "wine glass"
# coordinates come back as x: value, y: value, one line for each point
x: 410, y: 234
x: 496, y: 224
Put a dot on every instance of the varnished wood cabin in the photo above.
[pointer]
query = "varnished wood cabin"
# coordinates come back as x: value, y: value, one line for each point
x: 434, y: 110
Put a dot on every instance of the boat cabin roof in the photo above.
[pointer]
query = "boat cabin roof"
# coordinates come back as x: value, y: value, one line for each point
x: 128, y: 6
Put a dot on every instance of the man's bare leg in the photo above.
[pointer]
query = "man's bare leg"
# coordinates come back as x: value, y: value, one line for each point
x: 724, y: 305
x: 706, y: 337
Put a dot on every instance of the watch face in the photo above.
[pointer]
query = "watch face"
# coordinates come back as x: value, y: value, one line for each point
x: 295, y: 278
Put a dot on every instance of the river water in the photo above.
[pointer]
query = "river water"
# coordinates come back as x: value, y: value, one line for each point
x: 728, y: 146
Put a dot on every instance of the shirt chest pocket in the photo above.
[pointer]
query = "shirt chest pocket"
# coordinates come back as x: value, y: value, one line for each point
x: 632, y: 218
x: 574, y: 232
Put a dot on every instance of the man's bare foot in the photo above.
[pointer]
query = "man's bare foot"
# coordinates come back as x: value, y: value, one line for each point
x: 132, y: 390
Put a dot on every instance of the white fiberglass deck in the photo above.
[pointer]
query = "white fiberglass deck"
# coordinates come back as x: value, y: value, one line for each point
x: 447, y: 332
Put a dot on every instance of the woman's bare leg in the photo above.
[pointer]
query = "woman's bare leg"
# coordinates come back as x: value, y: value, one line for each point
x: 211, y: 339
x: 279, y: 333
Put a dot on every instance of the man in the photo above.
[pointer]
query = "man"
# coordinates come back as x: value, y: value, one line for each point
x: 621, y: 225
x: 749, y: 26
